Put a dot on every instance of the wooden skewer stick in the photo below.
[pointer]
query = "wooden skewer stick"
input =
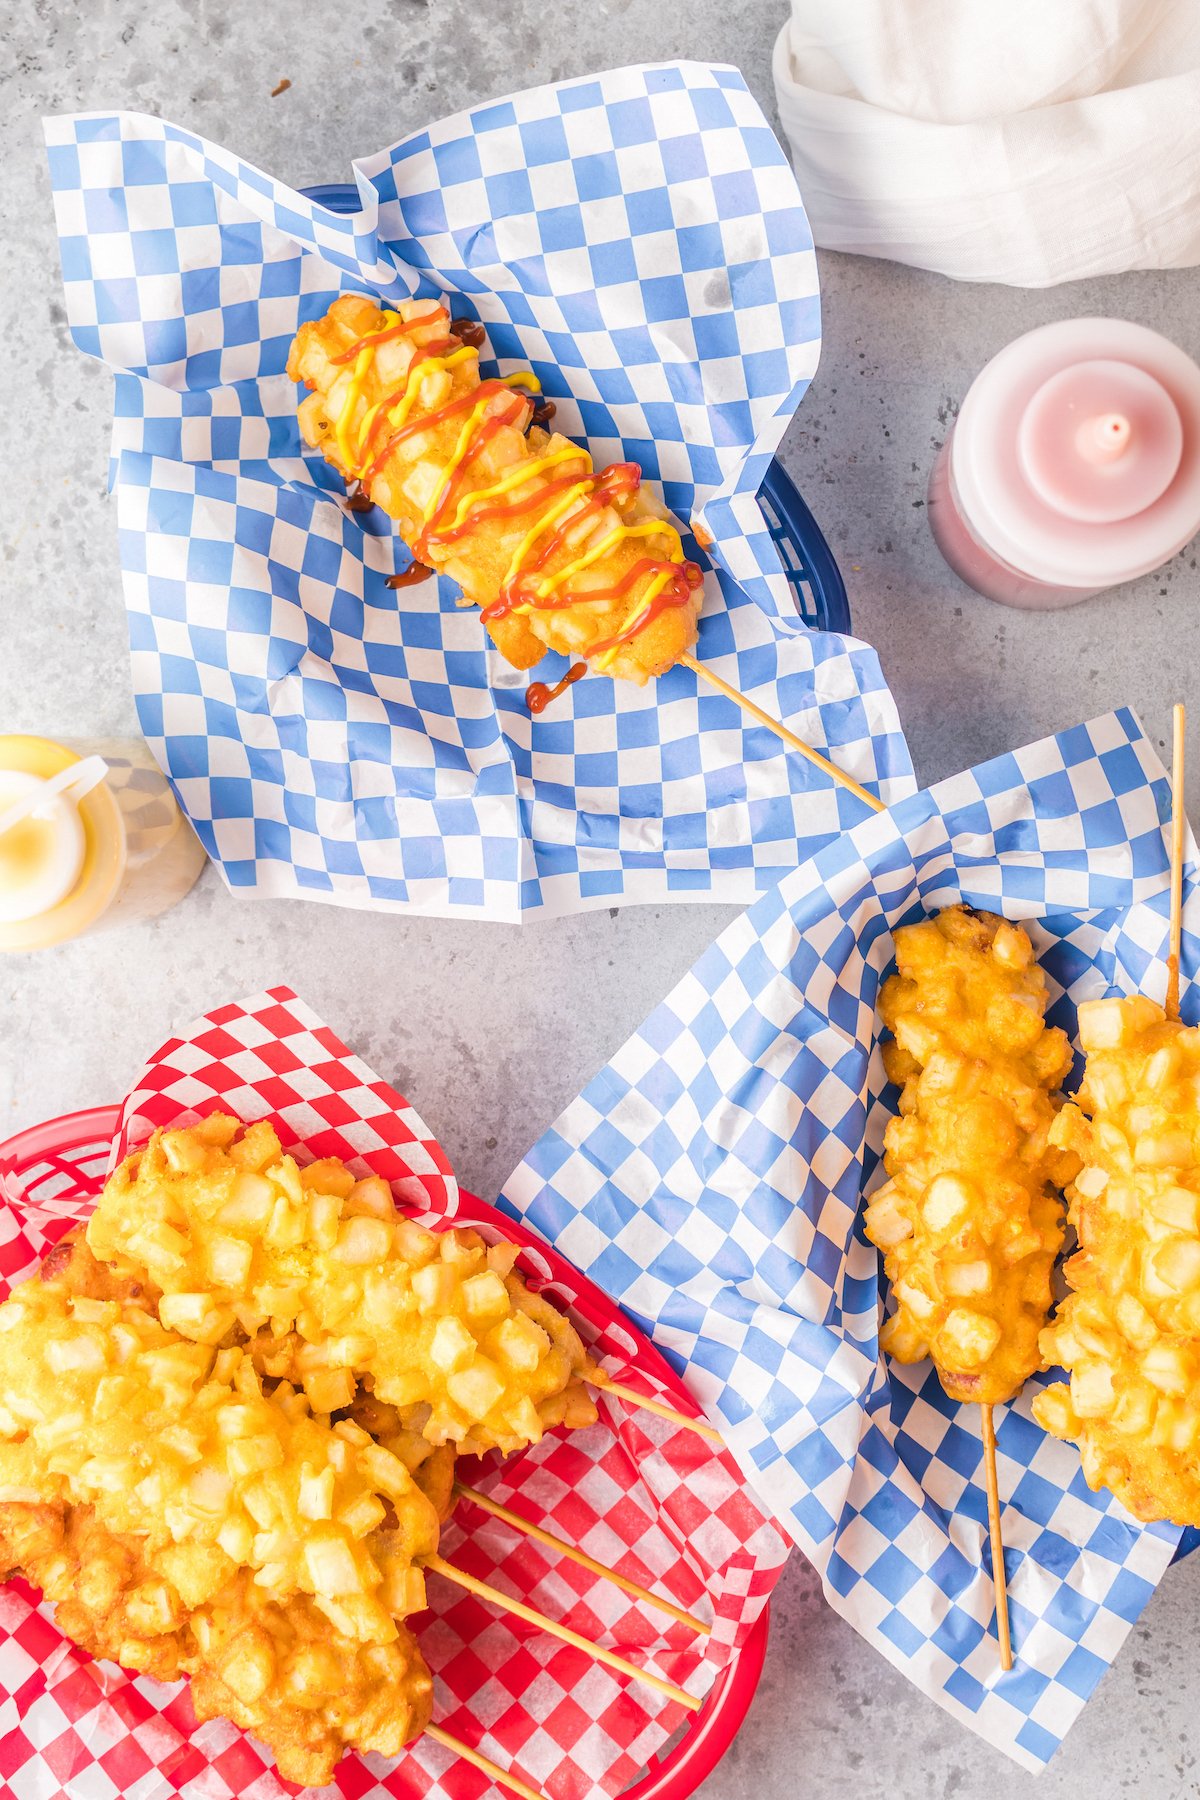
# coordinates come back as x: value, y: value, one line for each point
x: 781, y: 731
x: 507, y: 1603
x: 700, y: 1426
x: 1178, y: 828
x: 501, y: 1776
x: 541, y: 1536
x: 999, y: 1576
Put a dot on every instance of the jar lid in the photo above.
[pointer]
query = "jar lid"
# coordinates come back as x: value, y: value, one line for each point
x: 1076, y: 455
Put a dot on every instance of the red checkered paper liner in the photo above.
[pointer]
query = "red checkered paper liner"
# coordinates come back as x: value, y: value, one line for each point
x: 637, y: 1493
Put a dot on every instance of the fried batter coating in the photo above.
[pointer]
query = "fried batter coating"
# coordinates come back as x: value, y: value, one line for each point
x: 330, y: 1285
x: 1128, y: 1333
x: 469, y: 487
x: 175, y: 1443
x: 280, y: 1670
x: 970, y: 1223
x: 430, y: 1465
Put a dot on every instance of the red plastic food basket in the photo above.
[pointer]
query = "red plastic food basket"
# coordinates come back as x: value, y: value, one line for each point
x: 65, y: 1159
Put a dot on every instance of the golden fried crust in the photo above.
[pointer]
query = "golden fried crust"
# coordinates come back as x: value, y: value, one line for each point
x: 72, y: 1265
x: 479, y: 559
x: 332, y: 1288
x: 1128, y: 1332
x: 280, y: 1670
x: 970, y: 1221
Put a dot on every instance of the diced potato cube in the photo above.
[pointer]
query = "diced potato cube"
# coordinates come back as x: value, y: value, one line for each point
x: 229, y: 1261
x: 886, y: 1223
x: 1166, y: 1367
x: 372, y: 1197
x: 476, y: 1389
x: 1135, y: 1410
x: 150, y: 1609
x: 1177, y: 1264
x: 947, y: 1202
x: 1011, y: 946
x: 902, y: 1338
x: 236, y: 1538
x: 414, y: 1243
x: 1092, y: 1389
x: 1167, y: 1149
x: 160, y: 1247
x: 248, y: 1207
x: 286, y: 1176
x: 967, y: 1339
x: 362, y: 1241
x: 194, y: 1316
x: 1175, y: 1206
x: 385, y: 1471
x: 218, y: 1129
x: 324, y: 1212
x: 257, y: 1146
x: 331, y: 1566
x: 387, y: 1296
x: 73, y: 1355
x: 287, y: 1227
x: 436, y: 1287
x: 914, y: 1300
x: 452, y: 1346
x: 404, y: 1592
x: 329, y: 1389
x: 185, y: 1444
x: 1091, y: 1182
x: 184, y: 1151
x: 349, y: 1352
x: 965, y: 1278
x: 462, y: 1250
x: 1135, y: 1321
x: 316, y: 1493
x: 328, y: 1176
x: 248, y: 1667
x: 520, y: 1343
x: 248, y: 1456
x: 1106, y: 1024
x: 485, y: 1296
x: 1053, y: 1411
x: 362, y: 1515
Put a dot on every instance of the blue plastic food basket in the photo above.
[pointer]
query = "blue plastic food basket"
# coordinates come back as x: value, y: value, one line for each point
x: 806, y: 557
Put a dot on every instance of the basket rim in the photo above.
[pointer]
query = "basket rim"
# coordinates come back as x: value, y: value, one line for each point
x: 675, y: 1774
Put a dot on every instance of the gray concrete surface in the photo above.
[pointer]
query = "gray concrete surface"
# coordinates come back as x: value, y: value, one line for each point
x: 832, y: 1721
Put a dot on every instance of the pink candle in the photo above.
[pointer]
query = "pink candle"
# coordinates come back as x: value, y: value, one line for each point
x: 1073, y: 466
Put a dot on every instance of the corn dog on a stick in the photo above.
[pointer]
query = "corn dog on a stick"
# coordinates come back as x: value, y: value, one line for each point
x: 1129, y: 1332
x: 559, y: 556
x: 331, y: 1287
x: 970, y: 1223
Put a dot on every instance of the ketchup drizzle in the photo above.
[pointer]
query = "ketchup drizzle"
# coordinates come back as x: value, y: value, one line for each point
x: 415, y: 572
x: 538, y: 696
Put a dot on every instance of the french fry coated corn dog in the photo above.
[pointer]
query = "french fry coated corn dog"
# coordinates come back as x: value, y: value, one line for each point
x: 969, y: 1222
x: 558, y: 555
x: 133, y: 1570
x: 332, y: 1287
x: 1128, y: 1333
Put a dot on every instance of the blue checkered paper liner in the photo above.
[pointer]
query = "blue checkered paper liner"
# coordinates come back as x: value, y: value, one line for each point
x: 710, y: 1179
x: 638, y: 239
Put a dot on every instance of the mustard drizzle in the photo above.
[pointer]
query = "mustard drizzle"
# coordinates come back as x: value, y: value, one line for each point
x: 398, y: 415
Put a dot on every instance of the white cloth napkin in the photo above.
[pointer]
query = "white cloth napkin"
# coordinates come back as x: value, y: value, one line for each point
x: 1033, y: 142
